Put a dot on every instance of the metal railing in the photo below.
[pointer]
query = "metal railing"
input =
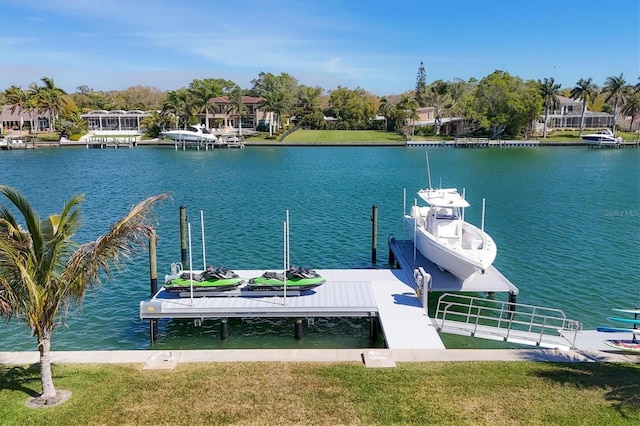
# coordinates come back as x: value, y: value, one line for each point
x: 510, y: 321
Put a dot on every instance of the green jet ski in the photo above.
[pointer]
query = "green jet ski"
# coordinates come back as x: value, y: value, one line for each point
x: 218, y: 279
x: 296, y: 278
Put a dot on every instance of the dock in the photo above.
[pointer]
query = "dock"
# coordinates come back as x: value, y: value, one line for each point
x: 474, y: 143
x: 410, y: 259
x: 386, y: 296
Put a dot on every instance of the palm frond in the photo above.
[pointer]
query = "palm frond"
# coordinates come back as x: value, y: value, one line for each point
x: 111, y: 251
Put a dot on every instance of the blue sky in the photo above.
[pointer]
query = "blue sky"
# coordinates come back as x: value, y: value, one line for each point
x: 376, y: 45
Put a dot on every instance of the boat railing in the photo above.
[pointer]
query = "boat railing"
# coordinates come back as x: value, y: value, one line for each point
x: 507, y: 321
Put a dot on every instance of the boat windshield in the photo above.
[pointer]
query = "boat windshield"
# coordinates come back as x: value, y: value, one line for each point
x: 446, y: 213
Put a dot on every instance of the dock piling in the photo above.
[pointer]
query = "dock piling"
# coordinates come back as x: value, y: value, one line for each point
x: 153, y: 330
x: 153, y: 267
x: 374, y: 233
x: 224, y: 328
x: 183, y: 235
x: 298, y: 328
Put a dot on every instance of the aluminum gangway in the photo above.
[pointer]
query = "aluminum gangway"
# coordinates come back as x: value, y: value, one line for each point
x: 506, y: 321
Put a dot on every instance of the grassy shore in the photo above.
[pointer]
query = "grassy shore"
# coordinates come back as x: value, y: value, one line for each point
x: 478, y: 393
x: 377, y: 137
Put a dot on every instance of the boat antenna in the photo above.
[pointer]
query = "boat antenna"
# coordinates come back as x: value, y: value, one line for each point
x: 428, y: 168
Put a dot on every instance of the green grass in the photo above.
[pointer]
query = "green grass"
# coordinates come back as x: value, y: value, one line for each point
x: 478, y: 393
x: 311, y: 137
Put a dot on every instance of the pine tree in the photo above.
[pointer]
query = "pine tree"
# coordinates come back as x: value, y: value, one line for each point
x: 421, y: 87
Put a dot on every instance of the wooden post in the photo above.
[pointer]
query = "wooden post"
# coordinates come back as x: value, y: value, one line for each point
x: 374, y: 233
x: 153, y: 267
x: 183, y: 236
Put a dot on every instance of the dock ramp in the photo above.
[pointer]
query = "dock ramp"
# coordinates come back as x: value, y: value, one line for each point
x: 506, y: 321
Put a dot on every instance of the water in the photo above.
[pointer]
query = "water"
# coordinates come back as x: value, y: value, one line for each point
x: 566, y: 222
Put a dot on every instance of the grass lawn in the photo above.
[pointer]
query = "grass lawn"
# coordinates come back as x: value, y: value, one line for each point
x: 311, y: 137
x: 478, y: 393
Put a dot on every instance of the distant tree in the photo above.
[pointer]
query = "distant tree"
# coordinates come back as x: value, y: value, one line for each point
x: 631, y: 107
x: 355, y: 109
x: 239, y: 108
x: 506, y: 104
x: 614, y: 89
x: 437, y: 97
x: 18, y: 99
x: 282, y: 90
x: 201, y: 93
x: 421, y: 87
x: 43, y: 271
x: 585, y: 91
x: 409, y: 110
x: 385, y: 109
x: 549, y: 91
x: 177, y: 103
x: 308, y: 108
x: 51, y: 98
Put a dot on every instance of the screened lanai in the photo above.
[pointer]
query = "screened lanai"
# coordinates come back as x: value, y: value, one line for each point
x: 117, y: 120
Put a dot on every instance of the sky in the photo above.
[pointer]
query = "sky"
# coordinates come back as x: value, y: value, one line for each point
x: 376, y: 45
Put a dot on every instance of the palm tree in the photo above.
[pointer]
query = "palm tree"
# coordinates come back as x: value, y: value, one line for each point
x: 409, y: 107
x: 235, y: 101
x: 549, y: 92
x: 615, y: 88
x: 18, y: 99
x: 585, y: 91
x: 273, y: 102
x: 42, y: 271
x: 177, y: 102
x: 632, y: 107
x: 50, y: 98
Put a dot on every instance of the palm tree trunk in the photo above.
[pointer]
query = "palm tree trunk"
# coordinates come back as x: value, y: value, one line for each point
x: 615, y: 108
x: 584, y: 107
x: 544, y: 126
x: 44, y: 345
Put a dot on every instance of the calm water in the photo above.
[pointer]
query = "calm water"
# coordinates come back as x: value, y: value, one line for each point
x: 566, y: 222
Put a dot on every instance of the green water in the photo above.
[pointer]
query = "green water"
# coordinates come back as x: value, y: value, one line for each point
x: 566, y: 222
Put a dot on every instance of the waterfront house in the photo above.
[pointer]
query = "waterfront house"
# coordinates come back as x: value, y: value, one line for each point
x: 17, y: 119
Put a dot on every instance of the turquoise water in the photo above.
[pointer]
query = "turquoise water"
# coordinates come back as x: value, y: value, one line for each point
x: 566, y: 222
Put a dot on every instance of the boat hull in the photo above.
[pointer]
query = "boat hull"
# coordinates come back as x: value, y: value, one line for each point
x: 189, y: 136
x: 461, y: 263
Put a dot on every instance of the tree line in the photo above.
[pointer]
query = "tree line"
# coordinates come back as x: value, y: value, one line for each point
x: 499, y: 104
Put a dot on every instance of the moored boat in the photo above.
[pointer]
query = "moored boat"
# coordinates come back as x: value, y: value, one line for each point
x: 442, y: 235
x: 602, y: 137
x: 213, y: 279
x: 195, y: 133
x: 296, y: 278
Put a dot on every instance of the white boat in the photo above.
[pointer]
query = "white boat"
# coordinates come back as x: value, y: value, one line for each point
x: 602, y: 137
x: 195, y: 133
x: 442, y: 235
